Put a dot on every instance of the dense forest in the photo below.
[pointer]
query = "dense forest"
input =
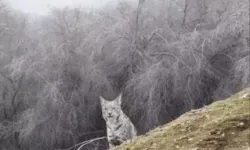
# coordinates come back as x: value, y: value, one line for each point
x: 165, y: 56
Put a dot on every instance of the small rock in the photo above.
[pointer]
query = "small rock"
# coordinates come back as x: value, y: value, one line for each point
x: 223, y: 134
x: 242, y: 124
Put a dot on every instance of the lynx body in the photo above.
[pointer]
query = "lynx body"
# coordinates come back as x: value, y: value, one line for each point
x: 119, y: 127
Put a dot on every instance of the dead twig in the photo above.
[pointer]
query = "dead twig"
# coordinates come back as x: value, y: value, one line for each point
x: 87, y: 142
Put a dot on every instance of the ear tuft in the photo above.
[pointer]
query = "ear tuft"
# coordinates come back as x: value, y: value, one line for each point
x: 119, y: 99
x: 102, y: 100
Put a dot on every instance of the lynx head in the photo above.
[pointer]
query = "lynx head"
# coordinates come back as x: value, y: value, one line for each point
x: 111, y: 109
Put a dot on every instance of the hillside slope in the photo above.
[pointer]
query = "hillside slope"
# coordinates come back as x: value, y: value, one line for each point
x: 223, y: 125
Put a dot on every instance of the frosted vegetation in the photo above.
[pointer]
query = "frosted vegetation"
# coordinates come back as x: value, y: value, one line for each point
x: 166, y: 56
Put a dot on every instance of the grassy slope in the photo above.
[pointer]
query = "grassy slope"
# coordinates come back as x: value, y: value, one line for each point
x: 223, y: 125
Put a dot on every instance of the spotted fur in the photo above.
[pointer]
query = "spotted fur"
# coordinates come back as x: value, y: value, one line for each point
x: 119, y: 127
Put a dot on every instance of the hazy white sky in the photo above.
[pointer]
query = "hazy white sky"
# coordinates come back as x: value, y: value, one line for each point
x: 41, y: 7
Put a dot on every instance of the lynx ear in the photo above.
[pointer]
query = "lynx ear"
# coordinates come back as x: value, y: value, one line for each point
x: 119, y: 99
x: 102, y: 100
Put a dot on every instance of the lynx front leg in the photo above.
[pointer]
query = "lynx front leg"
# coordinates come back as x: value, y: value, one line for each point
x: 111, y: 146
x: 111, y: 139
x: 114, y: 141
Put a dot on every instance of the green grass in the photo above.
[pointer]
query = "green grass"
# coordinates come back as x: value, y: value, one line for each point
x: 223, y: 125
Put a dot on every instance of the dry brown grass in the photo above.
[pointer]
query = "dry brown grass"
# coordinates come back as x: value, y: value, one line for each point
x: 222, y: 125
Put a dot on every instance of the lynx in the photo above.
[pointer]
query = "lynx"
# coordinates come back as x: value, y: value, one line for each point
x: 119, y: 127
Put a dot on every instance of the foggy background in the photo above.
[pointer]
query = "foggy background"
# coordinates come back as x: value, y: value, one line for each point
x: 42, y: 7
x: 166, y: 57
